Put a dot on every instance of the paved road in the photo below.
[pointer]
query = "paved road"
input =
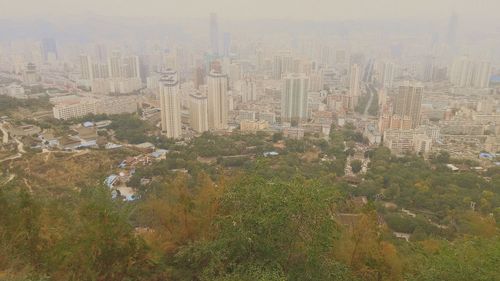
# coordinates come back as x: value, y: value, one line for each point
x: 370, y: 89
x: 5, y: 138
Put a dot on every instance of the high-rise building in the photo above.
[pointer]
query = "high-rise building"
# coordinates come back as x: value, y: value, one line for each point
x: 170, y: 104
x: 115, y: 65
x: 294, y: 97
x: 249, y: 90
x: 131, y: 67
x: 354, y: 87
x: 217, y: 100
x: 482, y: 75
x: 388, y: 75
x: 49, y: 48
x: 461, y: 72
x: 101, y: 53
x: 408, y: 102
x: 30, y: 74
x: 86, y: 67
x: 465, y: 73
x: 198, y: 112
x: 227, y: 44
x: 259, y: 59
x: 428, y: 68
x: 282, y: 64
x: 214, y: 34
x: 277, y: 67
x: 100, y: 71
x: 316, y: 81
x: 234, y: 71
x: 198, y: 77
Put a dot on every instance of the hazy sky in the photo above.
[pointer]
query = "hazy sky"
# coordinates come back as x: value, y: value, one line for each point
x: 249, y: 9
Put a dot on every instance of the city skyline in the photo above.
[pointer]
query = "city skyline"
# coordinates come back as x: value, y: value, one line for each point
x: 249, y: 140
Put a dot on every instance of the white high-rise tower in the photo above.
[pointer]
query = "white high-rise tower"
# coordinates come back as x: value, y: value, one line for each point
x: 86, y: 67
x: 249, y: 91
x: 198, y: 112
x: 170, y: 104
x: 131, y: 67
x: 294, y: 97
x: 354, y: 90
x: 462, y: 72
x: 217, y: 101
x: 388, y: 75
x: 482, y: 75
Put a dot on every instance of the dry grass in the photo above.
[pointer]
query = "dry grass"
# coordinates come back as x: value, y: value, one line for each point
x: 56, y: 172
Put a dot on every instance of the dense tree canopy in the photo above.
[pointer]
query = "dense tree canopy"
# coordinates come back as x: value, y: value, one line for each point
x: 239, y: 215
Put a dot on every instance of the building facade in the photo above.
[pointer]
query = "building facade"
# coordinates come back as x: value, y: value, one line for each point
x: 294, y: 97
x: 217, y: 100
x: 408, y: 102
x: 170, y: 104
x: 198, y: 112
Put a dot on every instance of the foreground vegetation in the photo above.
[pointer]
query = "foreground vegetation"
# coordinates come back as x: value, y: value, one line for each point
x: 238, y: 215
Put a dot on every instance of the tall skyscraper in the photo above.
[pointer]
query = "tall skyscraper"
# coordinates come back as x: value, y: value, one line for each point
x: 294, y: 97
x: 198, y: 112
x: 101, y: 53
x: 277, y: 67
x: 49, y: 48
x: 282, y: 64
x: 259, y: 58
x: 249, y: 90
x: 466, y: 73
x: 170, y: 104
x: 115, y: 65
x: 388, y: 75
x: 408, y: 102
x: 354, y: 87
x: 131, y: 67
x: 30, y: 74
x: 214, y: 34
x: 316, y: 81
x: 198, y: 77
x: 428, y: 68
x: 482, y: 75
x: 217, y: 100
x: 86, y: 67
x: 227, y: 43
x: 100, y: 71
x: 461, y: 72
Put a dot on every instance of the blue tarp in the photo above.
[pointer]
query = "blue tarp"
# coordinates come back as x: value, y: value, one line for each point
x: 486, y: 156
x: 109, y: 181
x: 88, y: 124
x: 495, y: 79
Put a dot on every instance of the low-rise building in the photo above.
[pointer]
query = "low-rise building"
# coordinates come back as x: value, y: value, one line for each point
x: 407, y: 141
x: 253, y: 125
x: 74, y: 108
x: 78, y: 107
x: 24, y: 130
x: 399, y: 141
x: 14, y: 90
x: 270, y: 117
x: 293, y: 133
